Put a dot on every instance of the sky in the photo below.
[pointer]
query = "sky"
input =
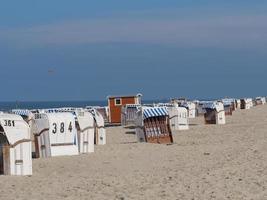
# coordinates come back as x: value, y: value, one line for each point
x: 86, y: 50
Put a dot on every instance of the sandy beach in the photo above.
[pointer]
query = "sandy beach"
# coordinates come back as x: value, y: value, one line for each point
x: 205, y: 162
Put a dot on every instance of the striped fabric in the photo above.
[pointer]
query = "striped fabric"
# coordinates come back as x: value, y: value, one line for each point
x: 211, y: 105
x: 22, y: 112
x: 164, y: 105
x: 227, y: 102
x: 205, y: 102
x: 154, y: 112
x: 133, y: 105
x: 60, y: 110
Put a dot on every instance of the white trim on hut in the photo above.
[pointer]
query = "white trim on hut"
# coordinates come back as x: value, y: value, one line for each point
x: 15, y: 146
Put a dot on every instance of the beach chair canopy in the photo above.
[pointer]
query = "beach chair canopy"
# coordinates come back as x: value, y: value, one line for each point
x: 248, y: 100
x: 154, y: 112
x: 85, y: 119
x: 228, y: 102
x: 22, y: 112
x: 218, y: 106
x: 262, y: 99
x: 15, y: 128
x: 99, y: 119
x: 15, y: 149
x: 58, y: 110
x: 61, y: 110
x: 189, y: 105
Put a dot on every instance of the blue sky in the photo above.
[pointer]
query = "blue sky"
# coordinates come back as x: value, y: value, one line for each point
x: 86, y: 50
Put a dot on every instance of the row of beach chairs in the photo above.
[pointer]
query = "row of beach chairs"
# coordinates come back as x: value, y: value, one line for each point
x: 46, y: 133
x: 27, y: 134
x: 156, y: 123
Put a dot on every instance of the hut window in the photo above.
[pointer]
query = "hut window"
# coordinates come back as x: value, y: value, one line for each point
x: 118, y: 101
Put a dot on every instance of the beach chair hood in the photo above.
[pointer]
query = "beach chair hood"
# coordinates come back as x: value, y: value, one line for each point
x: 218, y: 106
x: 12, y: 125
x: 154, y: 112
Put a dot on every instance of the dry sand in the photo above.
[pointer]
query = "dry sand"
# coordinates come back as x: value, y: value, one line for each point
x: 206, y: 162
